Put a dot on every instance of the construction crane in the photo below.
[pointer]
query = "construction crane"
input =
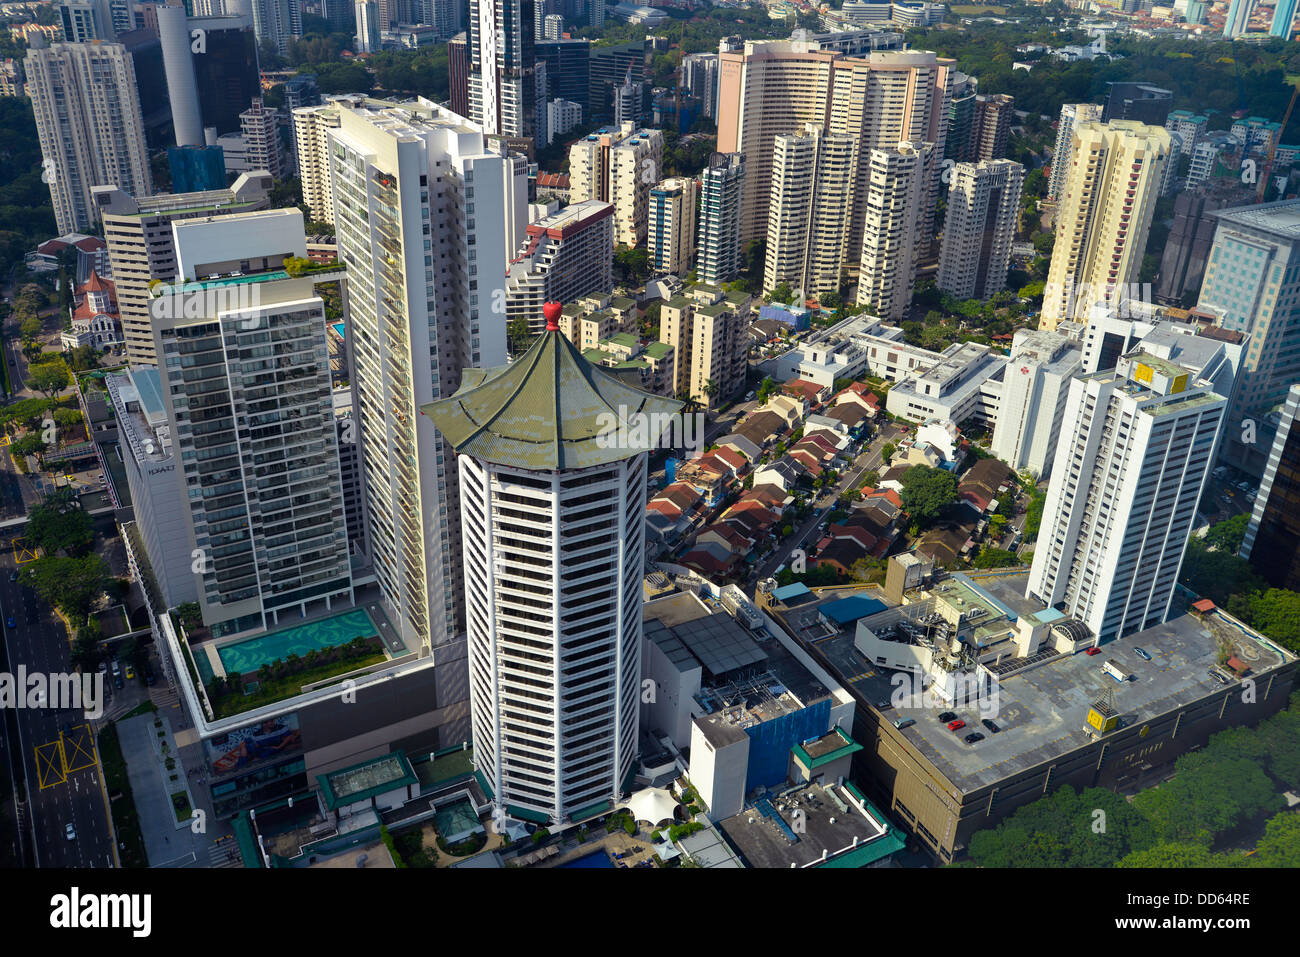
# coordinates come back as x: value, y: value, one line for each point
x: 1262, y: 189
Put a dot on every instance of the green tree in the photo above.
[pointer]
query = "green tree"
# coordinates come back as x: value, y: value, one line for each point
x: 927, y: 492
x: 49, y: 378
x: 1227, y: 536
x: 1173, y: 855
x: 995, y: 558
x: 1207, y: 796
x: 30, y: 328
x: 71, y: 584
x: 60, y: 524
x: 1280, y: 845
x: 887, y: 452
x: 28, y: 445
x: 782, y: 293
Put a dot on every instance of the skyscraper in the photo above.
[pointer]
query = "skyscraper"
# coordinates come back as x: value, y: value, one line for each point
x: 1071, y: 114
x: 563, y: 257
x: 277, y: 22
x: 808, y: 208
x: 1237, y: 21
x: 708, y: 331
x: 671, y: 235
x: 503, y: 82
x: 991, y: 128
x: 878, y: 100
x: 367, y: 20
x: 618, y: 166
x: 1103, y: 216
x: 568, y: 71
x: 979, y: 228
x: 1272, y: 540
x: 1138, y: 101
x: 722, y: 185
x: 89, y: 124
x: 891, y: 237
x: 141, y: 247
x: 1250, y: 285
x: 427, y: 218
x: 1031, y: 408
x: 552, y: 512
x: 182, y: 86
x: 1129, y: 471
x: 226, y: 70
x: 1283, y: 17
x: 246, y: 381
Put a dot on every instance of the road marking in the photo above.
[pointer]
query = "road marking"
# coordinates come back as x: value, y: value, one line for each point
x: 82, y: 749
x: 49, y: 762
x: 22, y: 554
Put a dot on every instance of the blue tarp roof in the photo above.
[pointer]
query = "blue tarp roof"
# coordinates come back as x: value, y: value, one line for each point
x: 852, y: 608
x: 786, y: 592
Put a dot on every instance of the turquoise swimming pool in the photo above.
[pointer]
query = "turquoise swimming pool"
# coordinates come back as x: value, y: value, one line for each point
x: 247, y: 656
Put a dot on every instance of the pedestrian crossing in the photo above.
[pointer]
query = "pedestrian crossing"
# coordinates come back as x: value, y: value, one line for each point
x: 224, y: 854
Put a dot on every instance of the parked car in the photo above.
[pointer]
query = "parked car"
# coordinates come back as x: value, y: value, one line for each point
x: 947, y: 716
x: 956, y: 725
x: 130, y: 672
x: 1217, y: 676
x: 70, y: 832
x: 902, y: 723
x: 972, y: 738
x: 1094, y: 650
x: 9, y: 622
x: 1141, y: 653
x: 993, y: 728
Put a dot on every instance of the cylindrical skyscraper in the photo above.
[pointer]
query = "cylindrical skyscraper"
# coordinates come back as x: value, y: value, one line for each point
x: 178, y: 62
x: 551, y: 451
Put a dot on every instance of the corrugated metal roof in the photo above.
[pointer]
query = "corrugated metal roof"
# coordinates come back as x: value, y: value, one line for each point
x: 549, y: 409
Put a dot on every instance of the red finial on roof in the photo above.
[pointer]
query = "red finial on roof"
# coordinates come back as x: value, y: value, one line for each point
x: 551, y: 311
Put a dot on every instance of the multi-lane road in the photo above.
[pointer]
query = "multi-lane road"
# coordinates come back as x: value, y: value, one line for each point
x: 55, y: 747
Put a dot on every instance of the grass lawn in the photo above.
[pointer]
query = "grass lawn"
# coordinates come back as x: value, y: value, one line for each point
x: 966, y: 9
x: 125, y: 820
x: 277, y: 689
x: 181, y: 805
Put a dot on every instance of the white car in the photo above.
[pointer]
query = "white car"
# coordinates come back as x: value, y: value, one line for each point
x: 70, y: 832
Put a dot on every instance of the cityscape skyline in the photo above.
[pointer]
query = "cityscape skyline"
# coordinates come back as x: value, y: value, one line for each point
x: 543, y: 435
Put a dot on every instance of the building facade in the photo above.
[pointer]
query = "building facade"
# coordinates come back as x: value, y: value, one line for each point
x: 979, y: 228
x: 1071, y: 114
x: 671, y: 232
x: 1272, y: 539
x: 721, y: 255
x: 246, y: 380
x: 554, y: 556
x: 424, y: 304
x: 564, y: 256
x: 90, y: 126
x: 1104, y: 216
x: 1128, y: 475
x: 892, y: 237
x: 618, y: 166
x: 141, y: 247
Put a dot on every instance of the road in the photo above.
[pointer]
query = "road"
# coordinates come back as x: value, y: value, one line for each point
x: 58, y: 754
x: 867, y: 461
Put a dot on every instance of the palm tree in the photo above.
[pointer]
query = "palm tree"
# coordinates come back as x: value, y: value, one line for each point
x: 689, y: 402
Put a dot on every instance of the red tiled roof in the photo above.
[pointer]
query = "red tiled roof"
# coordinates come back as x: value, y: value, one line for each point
x: 96, y: 284
x: 731, y: 457
x: 807, y: 459
x: 1204, y: 605
x: 886, y: 493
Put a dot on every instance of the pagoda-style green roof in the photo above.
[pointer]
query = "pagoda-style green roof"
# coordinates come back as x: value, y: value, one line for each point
x: 549, y: 409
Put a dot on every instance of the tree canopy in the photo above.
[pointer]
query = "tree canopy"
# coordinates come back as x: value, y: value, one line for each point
x: 927, y: 492
x: 60, y: 524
